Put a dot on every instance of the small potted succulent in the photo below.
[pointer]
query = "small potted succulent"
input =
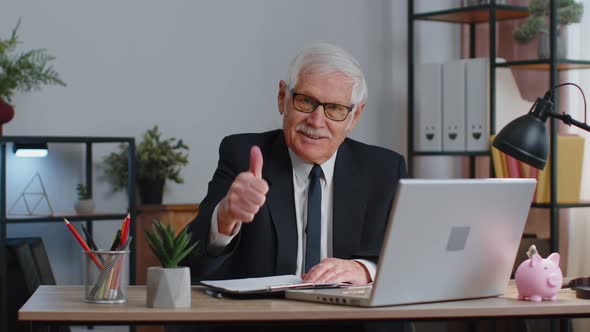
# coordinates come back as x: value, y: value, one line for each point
x: 85, y: 204
x: 168, y: 285
x: 568, y: 12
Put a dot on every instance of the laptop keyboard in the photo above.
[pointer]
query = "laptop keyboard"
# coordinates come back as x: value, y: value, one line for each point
x: 356, y: 292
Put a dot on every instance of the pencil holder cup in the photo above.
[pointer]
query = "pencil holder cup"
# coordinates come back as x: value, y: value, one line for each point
x: 106, y: 276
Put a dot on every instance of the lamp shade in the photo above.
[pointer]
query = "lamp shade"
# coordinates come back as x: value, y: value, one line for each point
x: 526, y: 139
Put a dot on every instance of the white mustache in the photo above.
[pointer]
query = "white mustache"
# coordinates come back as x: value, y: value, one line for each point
x: 309, y: 131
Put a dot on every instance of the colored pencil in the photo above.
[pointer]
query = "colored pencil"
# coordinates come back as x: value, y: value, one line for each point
x: 82, y: 242
x: 91, y: 243
x: 125, y: 230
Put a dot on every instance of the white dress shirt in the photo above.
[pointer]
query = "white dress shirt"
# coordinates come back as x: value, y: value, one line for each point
x: 301, y: 169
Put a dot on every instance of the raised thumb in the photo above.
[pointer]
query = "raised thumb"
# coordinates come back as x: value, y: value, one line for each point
x: 256, y: 161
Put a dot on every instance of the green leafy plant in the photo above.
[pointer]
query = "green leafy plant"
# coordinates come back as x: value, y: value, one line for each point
x: 25, y: 71
x: 568, y: 12
x: 169, y: 249
x: 83, y: 192
x: 155, y: 158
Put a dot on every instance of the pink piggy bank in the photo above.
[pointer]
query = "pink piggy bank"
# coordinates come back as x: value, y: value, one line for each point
x: 538, y: 278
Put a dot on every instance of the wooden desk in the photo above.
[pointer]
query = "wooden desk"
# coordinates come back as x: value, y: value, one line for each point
x: 63, y: 304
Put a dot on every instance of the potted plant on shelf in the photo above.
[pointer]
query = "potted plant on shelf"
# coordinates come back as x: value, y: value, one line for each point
x: 568, y: 12
x: 85, y: 204
x: 24, y: 72
x: 169, y: 286
x: 156, y: 160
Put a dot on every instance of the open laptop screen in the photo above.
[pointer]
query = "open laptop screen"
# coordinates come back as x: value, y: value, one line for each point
x: 451, y: 239
x: 445, y: 240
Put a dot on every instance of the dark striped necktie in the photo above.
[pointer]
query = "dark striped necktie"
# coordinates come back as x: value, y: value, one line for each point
x: 314, y: 219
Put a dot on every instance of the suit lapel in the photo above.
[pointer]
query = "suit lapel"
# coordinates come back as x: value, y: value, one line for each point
x: 278, y: 171
x: 347, y: 206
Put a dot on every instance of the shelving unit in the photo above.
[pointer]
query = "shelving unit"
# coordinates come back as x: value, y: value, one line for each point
x: 5, y: 220
x: 472, y: 15
x: 492, y: 13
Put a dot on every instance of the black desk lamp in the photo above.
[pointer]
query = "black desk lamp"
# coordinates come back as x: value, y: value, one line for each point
x: 526, y: 138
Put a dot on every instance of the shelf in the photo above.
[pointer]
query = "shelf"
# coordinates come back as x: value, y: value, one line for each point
x: 474, y: 14
x: 561, y: 205
x: 449, y: 153
x: 66, y: 139
x: 70, y: 217
x: 545, y: 64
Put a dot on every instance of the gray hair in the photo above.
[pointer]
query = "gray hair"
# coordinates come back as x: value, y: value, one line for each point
x: 326, y: 58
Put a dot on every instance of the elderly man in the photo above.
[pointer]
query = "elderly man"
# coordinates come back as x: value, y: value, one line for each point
x: 306, y: 199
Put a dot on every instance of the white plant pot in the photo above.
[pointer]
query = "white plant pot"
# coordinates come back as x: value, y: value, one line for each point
x: 84, y: 206
x: 168, y: 287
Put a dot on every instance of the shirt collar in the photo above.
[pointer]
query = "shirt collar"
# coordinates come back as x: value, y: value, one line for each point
x: 301, y: 168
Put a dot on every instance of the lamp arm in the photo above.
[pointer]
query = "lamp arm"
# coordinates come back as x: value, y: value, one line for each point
x: 568, y: 120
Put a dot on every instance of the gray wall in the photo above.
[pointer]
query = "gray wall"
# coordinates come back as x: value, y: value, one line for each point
x: 199, y: 69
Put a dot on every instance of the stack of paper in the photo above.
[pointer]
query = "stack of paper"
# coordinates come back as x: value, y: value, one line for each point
x: 265, y: 284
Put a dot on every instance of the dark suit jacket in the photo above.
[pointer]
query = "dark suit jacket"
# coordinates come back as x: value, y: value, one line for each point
x: 365, y: 180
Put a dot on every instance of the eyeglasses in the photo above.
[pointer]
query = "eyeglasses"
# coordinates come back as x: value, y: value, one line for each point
x: 307, y: 104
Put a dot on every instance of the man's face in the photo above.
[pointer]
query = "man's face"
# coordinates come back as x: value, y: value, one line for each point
x: 312, y: 136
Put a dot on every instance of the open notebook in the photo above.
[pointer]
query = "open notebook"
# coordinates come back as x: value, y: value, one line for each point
x: 264, y: 285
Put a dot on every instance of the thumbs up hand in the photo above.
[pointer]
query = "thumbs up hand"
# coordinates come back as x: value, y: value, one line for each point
x: 256, y: 162
x: 245, y: 196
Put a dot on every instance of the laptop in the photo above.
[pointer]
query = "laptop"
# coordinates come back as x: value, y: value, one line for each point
x: 446, y: 240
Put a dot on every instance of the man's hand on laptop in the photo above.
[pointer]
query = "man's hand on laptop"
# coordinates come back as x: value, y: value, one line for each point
x: 338, y: 270
x: 245, y: 197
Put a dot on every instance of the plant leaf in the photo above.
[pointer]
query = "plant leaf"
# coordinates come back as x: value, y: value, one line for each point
x: 157, y: 246
x: 167, y: 239
x: 180, y: 243
x: 185, y: 253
